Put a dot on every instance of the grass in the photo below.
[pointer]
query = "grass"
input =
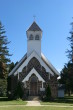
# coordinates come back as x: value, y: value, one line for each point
x: 5, y: 104
x: 35, y: 108
x: 5, y: 101
x: 60, y: 101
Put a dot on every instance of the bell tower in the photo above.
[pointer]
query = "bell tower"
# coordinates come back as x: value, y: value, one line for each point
x: 34, y: 35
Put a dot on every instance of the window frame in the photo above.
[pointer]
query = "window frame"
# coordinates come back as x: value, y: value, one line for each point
x: 31, y: 37
x: 37, y: 37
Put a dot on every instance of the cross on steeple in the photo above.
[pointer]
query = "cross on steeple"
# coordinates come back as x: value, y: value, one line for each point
x: 34, y: 17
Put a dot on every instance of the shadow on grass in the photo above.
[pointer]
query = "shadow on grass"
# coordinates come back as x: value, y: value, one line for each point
x: 68, y: 100
x: 64, y: 100
x: 4, y: 99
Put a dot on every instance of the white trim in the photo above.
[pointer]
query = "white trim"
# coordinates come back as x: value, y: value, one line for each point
x: 34, y: 54
x: 30, y: 73
x: 49, y: 64
x: 46, y: 64
x: 42, y: 84
x: 15, y: 68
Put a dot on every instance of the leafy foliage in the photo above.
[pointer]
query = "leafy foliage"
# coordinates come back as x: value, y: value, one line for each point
x: 3, y: 87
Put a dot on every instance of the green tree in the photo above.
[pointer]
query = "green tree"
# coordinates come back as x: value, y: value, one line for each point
x: 12, y: 65
x: 67, y: 71
x: 4, y: 52
x: 67, y: 78
x: 70, y: 51
x: 4, y: 59
x: 19, y: 90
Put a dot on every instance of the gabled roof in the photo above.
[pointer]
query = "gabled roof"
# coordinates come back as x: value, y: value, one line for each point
x: 49, y: 64
x: 18, y: 65
x: 34, y: 27
x: 24, y: 61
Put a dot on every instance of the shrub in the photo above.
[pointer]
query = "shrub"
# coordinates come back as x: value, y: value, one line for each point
x: 48, y: 93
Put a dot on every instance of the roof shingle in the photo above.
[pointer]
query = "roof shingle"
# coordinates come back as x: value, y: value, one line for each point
x: 34, y: 27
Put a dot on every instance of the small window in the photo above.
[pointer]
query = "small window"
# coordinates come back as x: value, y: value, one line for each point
x: 31, y: 37
x: 37, y: 37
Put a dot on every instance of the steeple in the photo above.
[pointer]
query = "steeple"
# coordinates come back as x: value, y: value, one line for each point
x: 34, y: 35
x: 34, y: 27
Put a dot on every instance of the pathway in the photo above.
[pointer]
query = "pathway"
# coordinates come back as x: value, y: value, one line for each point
x: 33, y: 101
x: 4, y: 106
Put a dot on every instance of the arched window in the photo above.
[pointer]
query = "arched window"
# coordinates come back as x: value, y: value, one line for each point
x: 33, y: 78
x: 31, y: 37
x: 37, y: 37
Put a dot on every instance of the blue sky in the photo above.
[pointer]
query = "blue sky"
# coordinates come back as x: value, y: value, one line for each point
x: 54, y: 18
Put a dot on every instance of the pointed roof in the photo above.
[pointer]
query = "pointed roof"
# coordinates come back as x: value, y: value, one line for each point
x: 24, y: 61
x: 34, y: 27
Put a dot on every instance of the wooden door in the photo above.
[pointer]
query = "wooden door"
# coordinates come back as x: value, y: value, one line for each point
x: 33, y: 88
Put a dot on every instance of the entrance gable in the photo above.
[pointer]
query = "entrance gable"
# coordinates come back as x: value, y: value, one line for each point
x: 33, y: 71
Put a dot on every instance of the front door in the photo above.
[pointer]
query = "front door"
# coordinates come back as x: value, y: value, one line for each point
x: 33, y: 86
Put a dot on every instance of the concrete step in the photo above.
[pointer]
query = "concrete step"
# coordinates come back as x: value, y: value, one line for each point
x: 33, y: 98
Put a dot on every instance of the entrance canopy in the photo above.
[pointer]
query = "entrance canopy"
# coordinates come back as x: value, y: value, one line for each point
x: 36, y: 73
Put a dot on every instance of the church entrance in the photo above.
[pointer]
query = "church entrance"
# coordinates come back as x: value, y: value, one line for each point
x: 33, y: 85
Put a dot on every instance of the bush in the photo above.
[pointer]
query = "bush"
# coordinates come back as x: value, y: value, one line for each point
x: 3, y: 87
x: 19, y: 91
x: 48, y: 93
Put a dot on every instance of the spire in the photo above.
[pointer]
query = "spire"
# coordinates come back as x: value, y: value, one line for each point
x: 34, y: 27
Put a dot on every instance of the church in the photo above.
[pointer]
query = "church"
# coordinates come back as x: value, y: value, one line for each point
x: 34, y: 70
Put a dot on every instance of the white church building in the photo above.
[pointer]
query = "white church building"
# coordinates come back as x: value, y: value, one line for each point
x: 34, y: 71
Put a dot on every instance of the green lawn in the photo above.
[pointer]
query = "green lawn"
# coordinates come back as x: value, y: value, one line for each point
x: 67, y: 101
x: 5, y: 101
x: 34, y: 108
x: 55, y: 103
x: 20, y: 105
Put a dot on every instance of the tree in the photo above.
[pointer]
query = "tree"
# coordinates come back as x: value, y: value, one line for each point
x: 4, y: 52
x: 4, y: 59
x: 19, y: 90
x: 67, y: 77
x: 70, y: 52
x: 67, y: 71
x: 11, y: 66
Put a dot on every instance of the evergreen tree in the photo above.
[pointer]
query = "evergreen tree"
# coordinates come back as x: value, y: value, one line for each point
x: 70, y: 52
x: 4, y: 52
x: 11, y: 66
x: 67, y: 71
x: 67, y: 78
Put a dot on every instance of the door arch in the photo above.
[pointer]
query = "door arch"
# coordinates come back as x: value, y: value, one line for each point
x: 33, y: 85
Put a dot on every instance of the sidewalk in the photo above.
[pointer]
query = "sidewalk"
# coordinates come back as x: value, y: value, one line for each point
x: 33, y: 103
